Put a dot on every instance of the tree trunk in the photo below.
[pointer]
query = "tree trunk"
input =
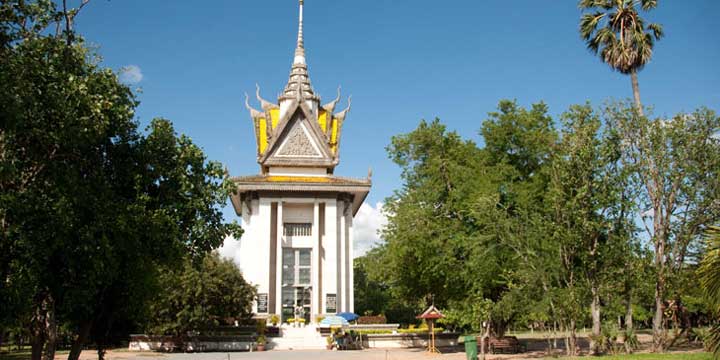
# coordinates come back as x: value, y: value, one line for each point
x: 79, y: 340
x: 38, y: 342
x: 595, y: 312
x: 629, y: 327
x: 658, y: 327
x: 636, y: 93
x: 38, y: 332
x: 51, y: 328
x: 572, y: 340
x: 485, y: 335
x: 658, y: 331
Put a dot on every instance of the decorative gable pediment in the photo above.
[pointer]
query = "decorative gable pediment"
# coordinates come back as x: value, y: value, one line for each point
x: 298, y: 141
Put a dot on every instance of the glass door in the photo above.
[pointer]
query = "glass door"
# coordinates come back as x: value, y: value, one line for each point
x: 296, y: 283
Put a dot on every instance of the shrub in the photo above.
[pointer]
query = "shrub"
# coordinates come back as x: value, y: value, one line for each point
x: 367, y: 320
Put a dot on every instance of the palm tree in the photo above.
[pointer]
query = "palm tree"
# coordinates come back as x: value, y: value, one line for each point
x: 614, y: 30
x: 710, y: 282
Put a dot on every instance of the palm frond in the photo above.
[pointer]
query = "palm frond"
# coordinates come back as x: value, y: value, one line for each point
x: 712, y: 341
x: 648, y: 5
x: 710, y: 267
x: 590, y: 4
x: 710, y: 282
x: 589, y: 23
x: 607, y: 37
x: 616, y: 32
x: 657, y: 30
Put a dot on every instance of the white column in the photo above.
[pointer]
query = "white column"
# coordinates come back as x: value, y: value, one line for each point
x: 351, y: 270
x: 330, y: 270
x: 255, y: 249
x: 279, y: 257
x: 314, y: 272
x: 342, y: 305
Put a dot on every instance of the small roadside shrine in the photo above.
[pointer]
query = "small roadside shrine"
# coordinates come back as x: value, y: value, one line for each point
x: 430, y: 315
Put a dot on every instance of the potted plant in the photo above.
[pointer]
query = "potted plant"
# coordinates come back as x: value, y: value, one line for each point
x: 261, y: 341
x: 330, y: 342
x: 274, y: 319
x: 301, y: 322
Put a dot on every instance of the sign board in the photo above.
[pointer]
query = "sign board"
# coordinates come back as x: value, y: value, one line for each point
x: 262, y: 303
x: 331, y: 303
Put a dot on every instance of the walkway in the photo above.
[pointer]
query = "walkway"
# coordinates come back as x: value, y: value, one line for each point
x: 401, y: 354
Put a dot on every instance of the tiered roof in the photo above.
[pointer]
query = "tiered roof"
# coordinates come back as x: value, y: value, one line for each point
x: 297, y: 130
x: 300, y: 138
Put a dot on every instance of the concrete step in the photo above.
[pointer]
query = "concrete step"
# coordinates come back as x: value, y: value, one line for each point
x: 304, y: 338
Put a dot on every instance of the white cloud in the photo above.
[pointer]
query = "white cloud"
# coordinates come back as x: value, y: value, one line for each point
x: 368, y: 221
x: 131, y: 74
x: 231, y: 249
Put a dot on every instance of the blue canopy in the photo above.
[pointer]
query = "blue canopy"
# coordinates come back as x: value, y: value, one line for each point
x: 348, y: 316
x: 333, y: 320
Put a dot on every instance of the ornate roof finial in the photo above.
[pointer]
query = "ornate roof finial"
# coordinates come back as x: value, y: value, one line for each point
x: 253, y: 113
x: 298, y: 86
x: 266, y: 105
x: 300, y: 50
x: 341, y: 115
x: 330, y: 107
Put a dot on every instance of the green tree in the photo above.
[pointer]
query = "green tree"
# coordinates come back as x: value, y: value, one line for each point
x: 614, y: 30
x: 89, y: 206
x: 430, y: 228
x: 372, y: 295
x: 200, y: 296
x: 585, y: 188
x: 519, y: 144
x: 677, y: 163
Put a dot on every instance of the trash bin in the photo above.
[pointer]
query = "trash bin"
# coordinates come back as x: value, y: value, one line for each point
x: 471, y: 347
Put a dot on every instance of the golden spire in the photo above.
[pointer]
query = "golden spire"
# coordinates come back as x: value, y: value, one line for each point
x: 298, y: 86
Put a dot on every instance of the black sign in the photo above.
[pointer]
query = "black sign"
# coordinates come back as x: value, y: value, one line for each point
x: 331, y: 303
x: 262, y: 303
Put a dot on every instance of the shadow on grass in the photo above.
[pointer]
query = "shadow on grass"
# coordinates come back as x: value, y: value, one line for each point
x: 24, y: 354
x: 15, y: 355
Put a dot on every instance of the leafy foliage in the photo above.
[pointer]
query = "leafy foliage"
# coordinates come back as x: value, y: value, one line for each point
x: 710, y: 281
x: 90, y: 206
x: 200, y: 297
x: 481, y: 232
x: 615, y: 31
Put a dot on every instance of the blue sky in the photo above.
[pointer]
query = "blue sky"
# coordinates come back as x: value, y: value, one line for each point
x: 401, y: 60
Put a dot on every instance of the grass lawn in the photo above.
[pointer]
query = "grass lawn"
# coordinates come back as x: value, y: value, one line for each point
x: 15, y: 355
x: 23, y: 354
x: 667, y: 356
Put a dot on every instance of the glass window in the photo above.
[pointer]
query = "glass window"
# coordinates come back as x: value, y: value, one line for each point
x: 288, y: 277
x: 288, y: 257
x: 304, y: 276
x: 305, y: 258
x: 296, y: 276
x: 288, y: 293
